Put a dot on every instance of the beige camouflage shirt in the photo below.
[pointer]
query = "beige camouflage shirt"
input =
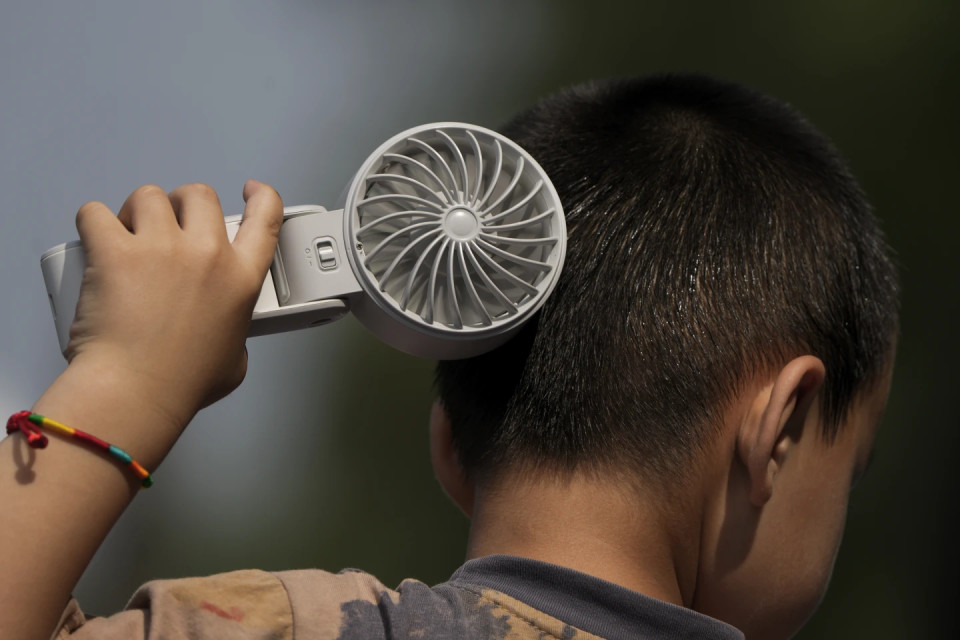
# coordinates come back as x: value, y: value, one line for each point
x: 544, y: 602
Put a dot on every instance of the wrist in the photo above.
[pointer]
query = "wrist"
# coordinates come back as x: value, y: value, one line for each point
x: 116, y: 404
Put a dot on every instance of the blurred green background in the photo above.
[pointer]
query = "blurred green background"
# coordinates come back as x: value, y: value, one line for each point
x: 332, y: 469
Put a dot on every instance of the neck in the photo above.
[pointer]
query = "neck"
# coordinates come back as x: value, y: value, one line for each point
x: 590, y: 525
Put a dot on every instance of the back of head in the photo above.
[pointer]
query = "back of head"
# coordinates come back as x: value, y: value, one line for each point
x: 713, y: 234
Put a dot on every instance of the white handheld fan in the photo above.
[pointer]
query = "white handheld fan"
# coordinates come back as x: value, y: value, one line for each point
x: 450, y: 237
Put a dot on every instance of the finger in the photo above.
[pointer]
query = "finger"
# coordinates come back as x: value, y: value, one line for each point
x: 198, y: 210
x: 97, y: 226
x: 148, y: 210
x: 257, y: 236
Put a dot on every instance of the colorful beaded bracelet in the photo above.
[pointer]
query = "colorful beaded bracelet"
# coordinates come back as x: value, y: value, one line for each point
x: 28, y: 424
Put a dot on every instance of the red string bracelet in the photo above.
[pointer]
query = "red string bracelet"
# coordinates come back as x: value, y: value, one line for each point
x: 29, y: 425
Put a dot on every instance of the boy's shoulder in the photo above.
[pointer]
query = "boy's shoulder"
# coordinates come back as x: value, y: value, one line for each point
x: 488, y: 598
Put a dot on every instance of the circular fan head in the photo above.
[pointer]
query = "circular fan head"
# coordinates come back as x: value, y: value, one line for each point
x: 458, y: 237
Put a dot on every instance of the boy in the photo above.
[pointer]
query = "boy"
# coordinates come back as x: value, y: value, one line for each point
x: 667, y: 451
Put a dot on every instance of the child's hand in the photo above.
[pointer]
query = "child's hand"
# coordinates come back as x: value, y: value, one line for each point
x: 166, y: 298
x: 159, y: 332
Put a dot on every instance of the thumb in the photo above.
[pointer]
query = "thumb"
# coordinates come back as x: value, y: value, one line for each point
x: 256, y: 238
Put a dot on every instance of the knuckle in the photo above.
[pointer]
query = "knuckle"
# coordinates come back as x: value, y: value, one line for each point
x: 147, y: 192
x: 203, y: 253
x: 207, y: 250
x: 199, y: 190
x: 273, y: 226
x: 90, y: 208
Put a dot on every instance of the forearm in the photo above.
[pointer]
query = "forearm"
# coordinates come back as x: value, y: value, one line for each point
x: 163, y: 313
x: 59, y: 503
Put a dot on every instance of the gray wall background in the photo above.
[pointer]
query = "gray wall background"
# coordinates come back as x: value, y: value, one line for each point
x: 320, y: 459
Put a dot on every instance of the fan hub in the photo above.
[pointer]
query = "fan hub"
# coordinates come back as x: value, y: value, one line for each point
x: 461, y: 224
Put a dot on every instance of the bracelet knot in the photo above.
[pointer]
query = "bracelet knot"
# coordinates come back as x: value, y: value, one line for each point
x: 20, y: 421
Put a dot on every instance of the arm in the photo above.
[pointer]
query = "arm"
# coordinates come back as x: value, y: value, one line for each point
x: 159, y: 333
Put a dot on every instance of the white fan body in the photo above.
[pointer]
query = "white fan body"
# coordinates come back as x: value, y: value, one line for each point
x: 449, y: 238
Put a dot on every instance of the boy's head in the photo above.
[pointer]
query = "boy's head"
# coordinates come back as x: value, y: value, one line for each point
x: 715, y: 239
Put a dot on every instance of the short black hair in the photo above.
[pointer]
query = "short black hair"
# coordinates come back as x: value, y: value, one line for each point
x: 713, y: 233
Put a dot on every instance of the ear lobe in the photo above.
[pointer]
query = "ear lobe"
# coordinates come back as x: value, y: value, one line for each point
x: 775, y: 421
x: 446, y: 463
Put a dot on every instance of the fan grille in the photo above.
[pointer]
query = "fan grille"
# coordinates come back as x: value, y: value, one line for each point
x: 457, y: 227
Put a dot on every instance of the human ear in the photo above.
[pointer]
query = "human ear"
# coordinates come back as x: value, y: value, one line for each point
x: 775, y: 421
x: 446, y: 463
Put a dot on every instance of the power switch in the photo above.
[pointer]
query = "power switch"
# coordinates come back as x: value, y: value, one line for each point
x: 326, y: 254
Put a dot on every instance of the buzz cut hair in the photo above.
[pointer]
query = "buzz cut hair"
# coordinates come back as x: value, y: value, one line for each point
x: 713, y: 234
